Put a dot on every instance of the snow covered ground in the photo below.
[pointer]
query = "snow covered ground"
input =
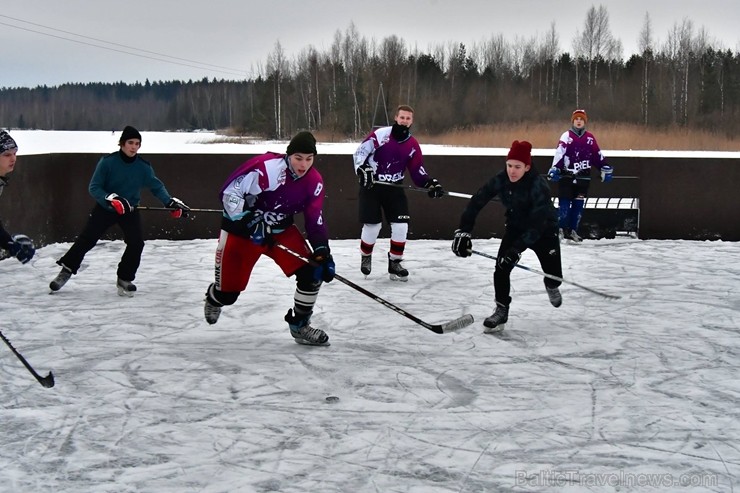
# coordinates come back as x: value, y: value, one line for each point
x: 636, y: 394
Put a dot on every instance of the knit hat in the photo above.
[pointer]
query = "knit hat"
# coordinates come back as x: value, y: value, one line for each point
x: 303, y: 142
x: 577, y: 113
x: 129, y: 133
x: 521, y: 151
x: 6, y: 142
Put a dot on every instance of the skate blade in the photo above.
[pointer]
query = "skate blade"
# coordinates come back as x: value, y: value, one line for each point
x: 304, y: 342
x: 395, y: 277
x: 493, y: 330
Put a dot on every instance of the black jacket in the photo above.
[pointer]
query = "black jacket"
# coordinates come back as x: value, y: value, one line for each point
x: 529, y: 209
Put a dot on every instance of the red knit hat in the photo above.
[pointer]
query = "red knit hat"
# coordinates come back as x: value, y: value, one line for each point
x: 521, y: 151
x: 577, y: 113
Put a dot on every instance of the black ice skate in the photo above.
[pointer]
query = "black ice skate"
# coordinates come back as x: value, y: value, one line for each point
x: 125, y: 288
x: 61, y: 279
x: 396, y: 270
x: 555, y: 297
x: 302, y: 331
x: 366, y: 264
x: 497, y: 321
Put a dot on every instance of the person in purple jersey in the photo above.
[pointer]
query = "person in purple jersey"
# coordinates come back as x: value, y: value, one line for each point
x: 260, y: 199
x: 576, y: 154
x: 384, y: 157
x: 18, y: 246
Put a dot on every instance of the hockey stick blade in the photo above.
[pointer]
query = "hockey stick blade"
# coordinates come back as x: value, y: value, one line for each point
x: 47, y: 381
x: 456, y: 324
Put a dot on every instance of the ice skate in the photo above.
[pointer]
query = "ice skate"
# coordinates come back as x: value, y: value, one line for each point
x: 497, y: 321
x: 302, y: 331
x: 125, y: 288
x: 366, y: 264
x: 555, y: 298
x: 212, y: 308
x: 572, y: 235
x: 61, y: 279
x: 396, y: 270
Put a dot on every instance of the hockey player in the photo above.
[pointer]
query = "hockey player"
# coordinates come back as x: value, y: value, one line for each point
x: 18, y: 246
x: 116, y: 187
x: 260, y: 199
x: 576, y: 154
x: 384, y: 156
x: 531, y: 222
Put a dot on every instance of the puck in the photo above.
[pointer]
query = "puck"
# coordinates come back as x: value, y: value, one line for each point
x: 332, y: 398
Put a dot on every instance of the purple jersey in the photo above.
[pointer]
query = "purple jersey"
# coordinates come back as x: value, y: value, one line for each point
x: 266, y: 185
x: 576, y: 155
x: 390, y: 158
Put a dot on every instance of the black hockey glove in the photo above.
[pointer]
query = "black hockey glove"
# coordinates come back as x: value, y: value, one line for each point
x: 119, y: 204
x: 180, y: 209
x: 261, y: 233
x: 508, y: 260
x: 325, y: 268
x: 435, y: 190
x: 462, y: 245
x: 365, y: 176
x: 21, y: 248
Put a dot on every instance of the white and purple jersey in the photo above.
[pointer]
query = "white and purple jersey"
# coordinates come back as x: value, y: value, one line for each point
x: 390, y: 158
x: 576, y: 154
x: 265, y: 185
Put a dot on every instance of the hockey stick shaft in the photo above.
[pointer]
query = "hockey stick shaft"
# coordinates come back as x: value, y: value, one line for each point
x: 417, y: 189
x: 47, y: 381
x: 145, y: 208
x: 554, y: 278
x: 458, y: 323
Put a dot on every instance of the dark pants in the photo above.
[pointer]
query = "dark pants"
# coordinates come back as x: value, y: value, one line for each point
x: 547, y: 250
x: 382, y: 199
x: 98, y: 223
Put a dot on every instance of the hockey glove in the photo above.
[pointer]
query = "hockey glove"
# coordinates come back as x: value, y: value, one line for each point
x: 554, y: 174
x: 508, y: 260
x: 325, y: 268
x: 365, y: 176
x: 435, y: 190
x: 462, y: 245
x: 180, y: 209
x: 21, y: 248
x: 119, y: 204
x: 261, y: 233
x: 606, y: 173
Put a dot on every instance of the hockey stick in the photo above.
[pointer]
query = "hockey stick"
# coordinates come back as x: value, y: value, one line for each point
x: 145, y: 208
x: 554, y: 278
x: 445, y: 328
x: 47, y: 381
x: 417, y: 189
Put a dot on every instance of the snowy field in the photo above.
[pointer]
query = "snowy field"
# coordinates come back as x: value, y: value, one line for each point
x: 636, y: 394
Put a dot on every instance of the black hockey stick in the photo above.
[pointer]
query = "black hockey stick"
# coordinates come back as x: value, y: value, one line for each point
x: 417, y: 189
x: 554, y: 278
x: 47, y: 381
x: 445, y: 328
x: 170, y: 209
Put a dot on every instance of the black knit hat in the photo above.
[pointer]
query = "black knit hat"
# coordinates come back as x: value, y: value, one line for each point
x: 129, y: 133
x: 6, y: 142
x: 303, y: 142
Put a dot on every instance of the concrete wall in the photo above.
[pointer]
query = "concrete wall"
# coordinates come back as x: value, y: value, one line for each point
x: 685, y: 198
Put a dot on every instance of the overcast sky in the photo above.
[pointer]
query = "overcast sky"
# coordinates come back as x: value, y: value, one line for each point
x: 231, y: 39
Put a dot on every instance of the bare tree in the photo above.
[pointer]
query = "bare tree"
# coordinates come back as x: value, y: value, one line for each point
x: 595, y: 40
x: 277, y: 67
x: 646, y: 46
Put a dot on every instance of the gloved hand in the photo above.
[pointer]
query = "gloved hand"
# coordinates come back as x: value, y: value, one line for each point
x: 462, y: 245
x: 119, y: 204
x: 554, y: 174
x: 508, y: 260
x: 261, y: 233
x: 22, y: 248
x: 325, y: 268
x: 435, y: 190
x: 606, y: 173
x: 365, y: 176
x: 181, y: 210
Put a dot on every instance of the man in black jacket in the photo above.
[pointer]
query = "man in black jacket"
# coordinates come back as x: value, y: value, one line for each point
x: 531, y: 222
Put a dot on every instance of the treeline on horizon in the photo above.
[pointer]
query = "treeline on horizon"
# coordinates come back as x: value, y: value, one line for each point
x: 685, y: 82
